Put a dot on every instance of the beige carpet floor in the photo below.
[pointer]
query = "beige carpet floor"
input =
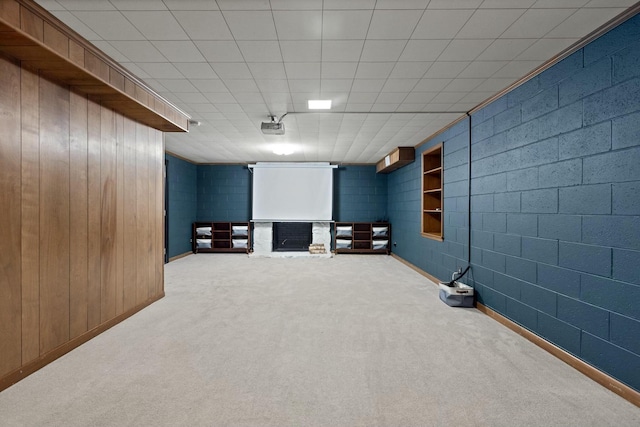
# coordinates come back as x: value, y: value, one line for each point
x: 347, y: 341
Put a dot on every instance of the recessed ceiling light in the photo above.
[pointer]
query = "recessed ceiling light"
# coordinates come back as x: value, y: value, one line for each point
x: 319, y: 104
x: 283, y: 150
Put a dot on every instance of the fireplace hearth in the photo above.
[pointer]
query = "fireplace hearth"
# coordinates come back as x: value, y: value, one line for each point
x: 291, y: 236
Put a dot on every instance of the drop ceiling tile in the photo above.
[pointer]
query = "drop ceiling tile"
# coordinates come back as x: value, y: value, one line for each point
x: 241, y: 85
x: 254, y: 108
x: 191, y: 5
x: 178, y: 85
x: 304, y: 85
x: 408, y: 70
x: 260, y: 51
x: 550, y: 4
x: 441, y: 24
x: 155, y: 85
x: 157, y: 25
x: 406, y: 107
x: 611, y: 3
x: 494, y: 84
x: 477, y: 97
x: 399, y: 85
x: 341, y: 25
x: 336, y: 85
x: 298, y: 25
x: 454, y: 4
x: 583, y: 22
x: 338, y: 70
x: 392, y: 24
x: 267, y: 70
x: 204, y: 25
x: 515, y: 69
x: 50, y: 5
x: 114, y: 53
x: 489, y: 24
x: 139, y: 51
x: 191, y: 97
x: 384, y: 108
x: 363, y: 97
x: 296, y: 4
x: 300, y: 51
x: 251, y: 25
x: 463, y: 50
x: 536, y: 23
x: 423, y: 50
x: 506, y: 4
x: 160, y: 70
x: 139, y: 4
x: 228, y: 107
x: 463, y: 85
x: 302, y: 70
x: 367, y: 85
x: 109, y: 25
x: 445, y: 69
x: 505, y: 49
x: 544, y: 49
x: 391, y: 97
x: 382, y: 50
x: 273, y: 85
x: 203, y: 108
x: 447, y: 97
x: 220, y: 98
x: 75, y: 23
x: 420, y: 97
x: 481, y: 69
x: 438, y: 107
x: 337, y: 98
x: 341, y: 50
x: 402, y: 4
x: 196, y: 70
x: 231, y: 70
x: 431, y: 85
x: 209, y: 85
x: 85, y: 5
x: 374, y: 70
x: 179, y: 51
x: 135, y: 70
x: 357, y: 107
x: 220, y: 51
x: 249, y: 97
x: 243, y: 5
x: 351, y: 4
x: 275, y: 98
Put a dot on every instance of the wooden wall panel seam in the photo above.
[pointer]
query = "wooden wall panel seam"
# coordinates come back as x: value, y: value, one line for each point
x: 10, y: 217
x: 30, y: 203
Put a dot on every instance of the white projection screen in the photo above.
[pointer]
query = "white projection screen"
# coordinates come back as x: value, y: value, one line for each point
x: 292, y: 192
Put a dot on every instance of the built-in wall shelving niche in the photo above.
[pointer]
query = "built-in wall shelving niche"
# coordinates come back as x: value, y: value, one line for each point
x: 432, y: 193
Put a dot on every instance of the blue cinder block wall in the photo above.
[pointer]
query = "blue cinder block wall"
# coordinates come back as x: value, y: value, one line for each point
x: 182, y: 186
x: 438, y: 258
x: 224, y: 193
x: 555, y: 205
x: 360, y: 194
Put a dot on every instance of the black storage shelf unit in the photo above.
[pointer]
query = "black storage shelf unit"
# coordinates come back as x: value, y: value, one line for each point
x: 362, y: 237
x: 221, y: 237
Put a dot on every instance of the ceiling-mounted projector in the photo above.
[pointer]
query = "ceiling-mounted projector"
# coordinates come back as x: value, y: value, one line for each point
x: 273, y: 127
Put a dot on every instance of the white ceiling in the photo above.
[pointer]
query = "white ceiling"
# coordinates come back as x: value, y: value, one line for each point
x: 397, y: 71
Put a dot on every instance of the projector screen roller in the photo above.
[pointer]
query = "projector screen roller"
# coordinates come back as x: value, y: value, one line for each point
x: 292, y: 192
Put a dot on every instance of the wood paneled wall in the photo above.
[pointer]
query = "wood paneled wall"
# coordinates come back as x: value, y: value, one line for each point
x: 81, y: 219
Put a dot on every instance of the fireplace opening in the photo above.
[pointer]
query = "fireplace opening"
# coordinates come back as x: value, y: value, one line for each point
x: 292, y: 236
